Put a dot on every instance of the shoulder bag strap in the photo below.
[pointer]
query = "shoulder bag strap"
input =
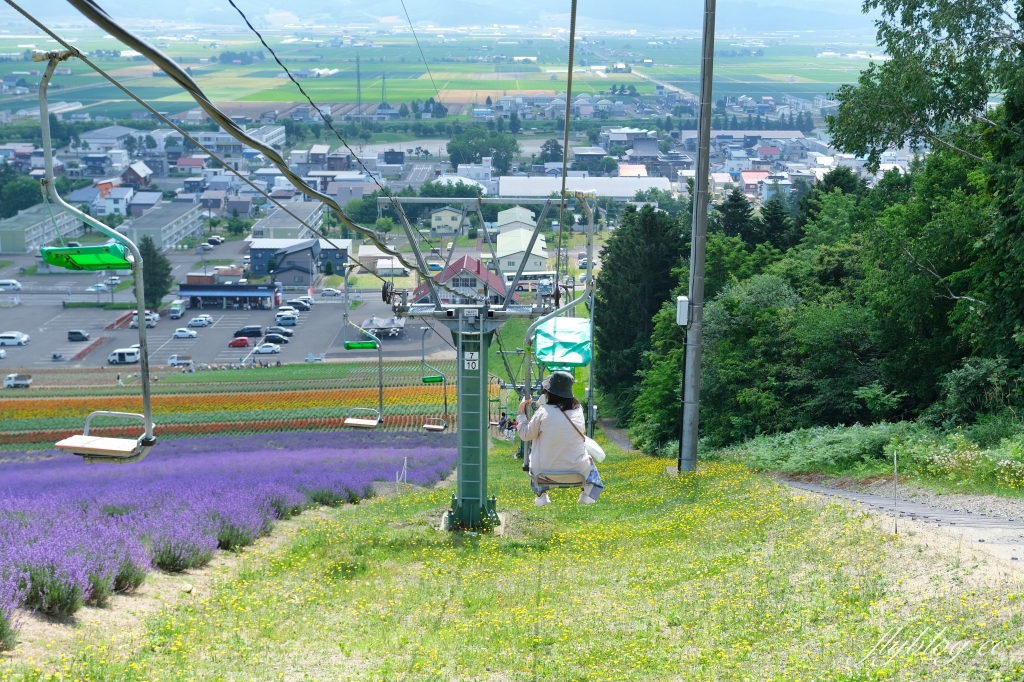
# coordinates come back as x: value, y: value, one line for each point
x: 576, y: 428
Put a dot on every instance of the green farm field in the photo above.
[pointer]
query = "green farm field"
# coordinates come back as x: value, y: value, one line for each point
x: 457, y: 71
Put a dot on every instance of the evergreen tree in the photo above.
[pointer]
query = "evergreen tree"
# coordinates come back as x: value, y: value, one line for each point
x: 156, y: 278
x: 635, y: 279
x: 328, y: 268
x: 737, y: 218
x: 776, y: 227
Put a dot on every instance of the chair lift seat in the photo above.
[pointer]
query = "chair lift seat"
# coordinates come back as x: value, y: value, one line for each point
x: 559, y: 479
x: 98, y: 445
x: 361, y: 423
x: 435, y: 424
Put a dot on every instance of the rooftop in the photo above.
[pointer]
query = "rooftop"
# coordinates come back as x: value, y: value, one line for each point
x: 160, y: 215
x: 517, y: 186
x: 589, y: 151
x: 302, y: 209
x: 120, y: 193
x: 109, y: 133
x: 146, y: 198
x: 516, y: 241
x: 28, y: 217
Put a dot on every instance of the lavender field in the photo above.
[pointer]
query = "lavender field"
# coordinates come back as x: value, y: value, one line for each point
x: 72, y: 533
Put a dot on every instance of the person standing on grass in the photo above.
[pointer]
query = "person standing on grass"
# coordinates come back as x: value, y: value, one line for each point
x: 119, y: 382
x: 556, y: 431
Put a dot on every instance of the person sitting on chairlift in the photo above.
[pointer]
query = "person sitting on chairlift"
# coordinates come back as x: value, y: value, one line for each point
x: 556, y: 431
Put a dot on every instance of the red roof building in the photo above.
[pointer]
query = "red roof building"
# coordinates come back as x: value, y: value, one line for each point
x: 191, y: 162
x: 465, y: 275
x: 750, y: 179
x: 769, y: 152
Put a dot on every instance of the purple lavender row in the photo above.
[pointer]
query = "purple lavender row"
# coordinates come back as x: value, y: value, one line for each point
x: 72, y: 534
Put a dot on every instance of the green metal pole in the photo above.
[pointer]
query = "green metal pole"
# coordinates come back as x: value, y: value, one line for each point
x: 471, y: 508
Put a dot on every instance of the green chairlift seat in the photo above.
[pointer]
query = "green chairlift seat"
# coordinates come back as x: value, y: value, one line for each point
x: 110, y: 256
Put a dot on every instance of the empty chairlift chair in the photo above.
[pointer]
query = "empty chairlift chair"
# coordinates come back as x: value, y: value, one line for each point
x: 373, y: 417
x: 436, y: 424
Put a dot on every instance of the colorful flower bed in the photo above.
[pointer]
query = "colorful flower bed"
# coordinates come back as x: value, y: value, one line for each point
x: 72, y: 534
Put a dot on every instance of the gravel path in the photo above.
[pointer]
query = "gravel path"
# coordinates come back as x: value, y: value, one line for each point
x: 1008, y: 507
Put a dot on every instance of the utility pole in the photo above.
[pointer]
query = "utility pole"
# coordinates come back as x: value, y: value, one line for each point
x: 359, y: 89
x: 698, y: 248
x: 384, y: 88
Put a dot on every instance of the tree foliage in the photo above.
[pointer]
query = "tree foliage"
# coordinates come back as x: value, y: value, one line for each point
x: 476, y: 142
x: 156, y: 274
x: 636, y: 277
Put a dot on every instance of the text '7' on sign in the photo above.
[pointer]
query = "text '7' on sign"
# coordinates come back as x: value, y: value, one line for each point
x: 472, y: 360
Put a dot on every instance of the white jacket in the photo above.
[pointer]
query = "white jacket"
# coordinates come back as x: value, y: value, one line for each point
x: 556, y: 444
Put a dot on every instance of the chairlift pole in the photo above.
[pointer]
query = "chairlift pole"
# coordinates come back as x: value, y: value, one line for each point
x: 698, y: 249
x: 44, y: 119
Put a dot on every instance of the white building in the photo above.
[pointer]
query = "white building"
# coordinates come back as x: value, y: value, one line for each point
x: 516, y: 218
x: 167, y: 223
x: 105, y: 139
x: 116, y: 201
x: 32, y: 227
x: 737, y: 161
x: 482, y: 173
x: 619, y: 189
x: 511, y: 251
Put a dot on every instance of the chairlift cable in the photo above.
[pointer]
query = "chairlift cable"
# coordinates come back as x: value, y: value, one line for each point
x: 565, y: 145
x: 327, y: 120
x: 99, y: 17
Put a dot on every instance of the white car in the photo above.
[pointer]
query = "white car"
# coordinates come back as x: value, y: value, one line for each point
x: 201, y: 321
x: 267, y: 348
x: 3, y: 354
x: 328, y: 292
x: 134, y: 324
x: 97, y: 287
x: 182, y: 333
x: 308, y: 300
x: 112, y: 281
x: 13, y: 339
x: 287, y: 310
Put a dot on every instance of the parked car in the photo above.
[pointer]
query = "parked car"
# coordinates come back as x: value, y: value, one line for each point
x: 112, y: 281
x: 182, y: 333
x: 239, y: 342
x: 13, y: 339
x: 308, y: 300
x: 204, y: 247
x: 286, y: 319
x: 201, y: 321
x: 299, y: 305
x: 215, y: 240
x: 179, y: 360
x: 252, y: 330
x: 267, y: 348
x: 97, y: 287
x: 435, y: 267
x: 275, y: 338
x: 288, y: 310
x: 150, y: 315
x: 134, y: 324
x: 280, y: 330
x: 78, y: 335
x: 10, y: 285
x: 329, y: 292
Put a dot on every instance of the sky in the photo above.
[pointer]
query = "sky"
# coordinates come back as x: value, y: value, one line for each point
x: 657, y: 15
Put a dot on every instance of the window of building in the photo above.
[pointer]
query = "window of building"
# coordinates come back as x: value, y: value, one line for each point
x: 512, y: 263
x: 454, y: 218
x: 298, y: 278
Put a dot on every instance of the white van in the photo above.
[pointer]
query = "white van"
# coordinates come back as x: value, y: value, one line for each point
x: 124, y: 356
x: 10, y: 285
x: 286, y: 319
x: 13, y: 339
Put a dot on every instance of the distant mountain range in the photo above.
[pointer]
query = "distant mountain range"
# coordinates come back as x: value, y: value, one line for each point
x: 654, y: 15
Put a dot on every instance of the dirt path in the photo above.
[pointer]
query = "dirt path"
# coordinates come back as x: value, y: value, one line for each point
x: 616, y: 435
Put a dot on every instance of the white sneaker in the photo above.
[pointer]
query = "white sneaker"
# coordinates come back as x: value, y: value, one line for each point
x: 586, y: 499
x: 542, y: 499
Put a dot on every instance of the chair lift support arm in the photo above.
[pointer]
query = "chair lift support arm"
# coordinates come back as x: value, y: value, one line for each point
x: 51, y: 188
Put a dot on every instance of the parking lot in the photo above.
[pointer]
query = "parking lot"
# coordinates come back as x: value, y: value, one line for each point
x: 318, y: 331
